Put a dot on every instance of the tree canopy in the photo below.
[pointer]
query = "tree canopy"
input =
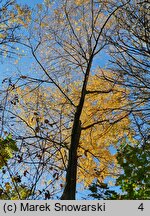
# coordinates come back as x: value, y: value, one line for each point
x: 77, y: 106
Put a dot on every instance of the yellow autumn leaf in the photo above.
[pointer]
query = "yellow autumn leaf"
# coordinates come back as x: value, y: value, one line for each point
x: 2, y: 36
x: 8, y: 186
x: 81, y: 2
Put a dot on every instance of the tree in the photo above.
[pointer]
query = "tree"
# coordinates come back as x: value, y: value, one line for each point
x: 73, y: 47
x: 12, y: 18
x: 130, y: 52
x: 135, y: 162
x: 130, y: 59
x: 79, y: 115
x: 133, y: 182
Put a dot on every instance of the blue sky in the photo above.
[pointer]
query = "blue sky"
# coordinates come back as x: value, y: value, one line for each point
x: 31, y: 3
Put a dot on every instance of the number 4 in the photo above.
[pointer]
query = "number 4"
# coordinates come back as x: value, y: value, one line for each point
x: 141, y: 207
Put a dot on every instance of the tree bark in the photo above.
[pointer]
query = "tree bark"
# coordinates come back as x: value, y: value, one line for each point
x: 70, y: 188
x: 71, y: 176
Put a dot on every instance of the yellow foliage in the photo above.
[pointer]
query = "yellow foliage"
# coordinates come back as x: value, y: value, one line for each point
x: 20, y: 10
x: 7, y: 186
x: 2, y: 36
x: 104, y: 124
x: 20, y: 15
x: 81, y: 2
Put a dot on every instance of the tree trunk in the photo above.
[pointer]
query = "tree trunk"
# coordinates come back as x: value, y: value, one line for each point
x: 70, y: 188
x: 71, y: 176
